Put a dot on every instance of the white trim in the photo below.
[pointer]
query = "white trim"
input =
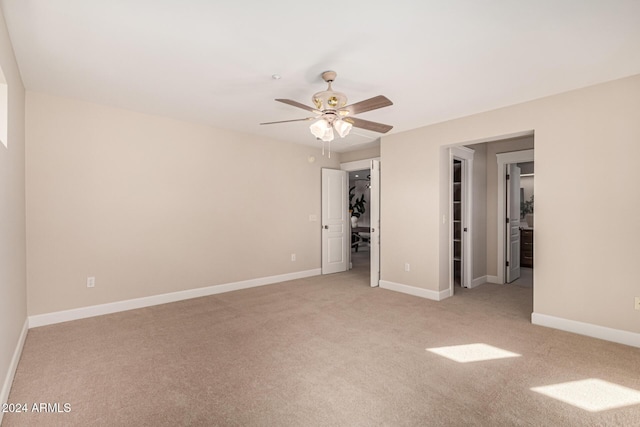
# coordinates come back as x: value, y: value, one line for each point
x: 516, y: 156
x: 494, y: 279
x: 416, y: 292
x: 114, y: 307
x: 503, y: 160
x: 479, y: 281
x: 8, y: 379
x: 498, y: 137
x: 588, y: 329
x: 358, y: 164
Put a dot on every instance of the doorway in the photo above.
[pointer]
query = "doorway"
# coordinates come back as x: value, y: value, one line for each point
x: 487, y: 194
x: 526, y: 224
x: 460, y: 218
x: 506, y: 258
x: 367, y: 229
x: 359, y: 209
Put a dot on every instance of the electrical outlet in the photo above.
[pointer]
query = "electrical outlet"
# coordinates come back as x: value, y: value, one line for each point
x: 293, y: 257
x: 91, y: 282
x: 637, y: 303
x: 407, y: 267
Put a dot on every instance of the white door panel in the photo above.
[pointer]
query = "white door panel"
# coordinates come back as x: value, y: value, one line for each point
x: 335, y: 235
x: 374, y: 236
x: 335, y: 205
x: 513, y: 223
x: 335, y: 253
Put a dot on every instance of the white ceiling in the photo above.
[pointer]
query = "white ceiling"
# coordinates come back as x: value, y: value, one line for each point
x: 211, y: 61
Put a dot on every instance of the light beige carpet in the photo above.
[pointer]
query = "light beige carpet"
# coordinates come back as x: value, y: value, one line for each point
x: 322, y: 351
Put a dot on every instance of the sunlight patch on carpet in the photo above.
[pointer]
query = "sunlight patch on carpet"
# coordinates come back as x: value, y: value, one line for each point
x: 472, y: 352
x: 592, y: 395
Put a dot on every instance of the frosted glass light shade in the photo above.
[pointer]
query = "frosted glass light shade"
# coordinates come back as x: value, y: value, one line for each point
x: 318, y: 128
x: 322, y: 130
x: 342, y: 127
x: 328, y: 135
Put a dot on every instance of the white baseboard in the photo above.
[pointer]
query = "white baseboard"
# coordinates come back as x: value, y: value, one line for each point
x: 412, y: 290
x: 479, y: 281
x: 114, y: 307
x: 588, y: 329
x: 493, y: 279
x: 8, y: 379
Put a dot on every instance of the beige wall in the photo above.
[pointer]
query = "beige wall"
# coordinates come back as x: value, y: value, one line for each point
x: 352, y: 156
x: 13, y: 300
x: 584, y: 139
x: 150, y: 205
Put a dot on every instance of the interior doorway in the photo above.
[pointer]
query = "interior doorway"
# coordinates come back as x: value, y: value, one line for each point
x: 509, y: 223
x: 364, y: 200
x: 460, y: 218
x: 360, y: 216
x: 486, y: 232
x: 526, y: 225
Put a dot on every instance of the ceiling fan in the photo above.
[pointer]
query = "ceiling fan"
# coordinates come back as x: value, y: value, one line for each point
x: 333, y: 113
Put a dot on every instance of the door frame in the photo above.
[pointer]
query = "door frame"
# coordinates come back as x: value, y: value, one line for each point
x: 356, y: 166
x: 465, y: 155
x: 503, y: 160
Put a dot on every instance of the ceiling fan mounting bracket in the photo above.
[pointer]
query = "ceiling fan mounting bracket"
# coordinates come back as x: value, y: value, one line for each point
x: 329, y: 76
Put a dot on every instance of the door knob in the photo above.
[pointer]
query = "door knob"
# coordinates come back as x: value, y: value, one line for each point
x: 326, y: 227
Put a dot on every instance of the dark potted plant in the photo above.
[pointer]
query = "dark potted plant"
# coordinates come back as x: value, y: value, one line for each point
x: 356, y: 206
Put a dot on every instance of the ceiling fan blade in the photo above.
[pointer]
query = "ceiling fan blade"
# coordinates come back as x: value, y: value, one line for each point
x: 299, y: 105
x: 367, y: 105
x: 366, y: 124
x: 287, y: 121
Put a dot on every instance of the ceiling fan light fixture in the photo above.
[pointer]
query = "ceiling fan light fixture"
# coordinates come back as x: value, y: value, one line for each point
x: 333, y: 114
x: 343, y: 128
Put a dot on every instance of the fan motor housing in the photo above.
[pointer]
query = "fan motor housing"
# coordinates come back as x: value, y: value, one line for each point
x: 329, y: 100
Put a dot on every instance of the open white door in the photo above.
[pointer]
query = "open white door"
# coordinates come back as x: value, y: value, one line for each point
x: 513, y: 223
x: 374, y: 236
x: 335, y: 230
